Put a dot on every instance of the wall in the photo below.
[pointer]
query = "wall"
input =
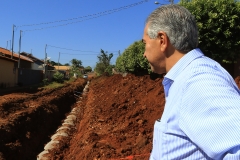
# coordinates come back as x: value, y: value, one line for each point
x: 36, y: 66
x: 8, y: 76
x: 49, y: 74
x: 29, y: 76
x: 25, y: 64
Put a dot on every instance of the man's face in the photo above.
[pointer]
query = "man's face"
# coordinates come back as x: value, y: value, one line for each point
x: 153, y: 53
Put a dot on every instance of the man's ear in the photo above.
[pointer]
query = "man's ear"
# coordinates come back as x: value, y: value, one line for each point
x: 163, y: 40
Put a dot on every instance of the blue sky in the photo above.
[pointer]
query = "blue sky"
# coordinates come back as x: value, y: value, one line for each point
x: 82, y: 36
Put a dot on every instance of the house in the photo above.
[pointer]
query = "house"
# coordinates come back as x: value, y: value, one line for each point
x: 9, y: 69
x: 8, y: 72
x: 63, y: 69
x: 37, y: 63
x: 25, y: 62
x: 25, y: 75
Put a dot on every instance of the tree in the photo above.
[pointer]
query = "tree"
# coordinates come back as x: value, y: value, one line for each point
x: 132, y: 59
x: 76, y: 64
x: 218, y: 23
x: 58, y: 77
x: 103, y: 65
x: 66, y: 64
x: 52, y: 63
x: 88, y: 69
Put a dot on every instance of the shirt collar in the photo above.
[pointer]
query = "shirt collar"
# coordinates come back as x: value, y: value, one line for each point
x: 183, y: 63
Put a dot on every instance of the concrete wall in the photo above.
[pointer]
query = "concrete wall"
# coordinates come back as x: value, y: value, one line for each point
x: 8, y: 74
x: 29, y: 76
x: 37, y: 67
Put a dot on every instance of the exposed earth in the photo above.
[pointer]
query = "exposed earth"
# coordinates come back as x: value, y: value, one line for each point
x: 115, y: 119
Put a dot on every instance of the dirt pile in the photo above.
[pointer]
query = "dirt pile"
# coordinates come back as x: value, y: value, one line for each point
x: 117, y: 119
x: 237, y: 80
x: 27, y: 119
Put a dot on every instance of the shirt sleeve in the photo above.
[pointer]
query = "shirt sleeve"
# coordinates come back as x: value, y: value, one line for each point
x: 210, y: 114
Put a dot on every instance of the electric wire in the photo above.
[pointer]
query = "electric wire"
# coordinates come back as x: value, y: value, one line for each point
x: 75, y: 50
x: 82, y: 54
x: 91, y: 15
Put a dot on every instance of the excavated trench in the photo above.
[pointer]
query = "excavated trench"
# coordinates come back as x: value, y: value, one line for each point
x: 27, y: 123
x: 63, y: 134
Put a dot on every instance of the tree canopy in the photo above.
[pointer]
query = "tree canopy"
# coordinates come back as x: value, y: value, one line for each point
x: 76, y: 63
x: 88, y: 69
x: 132, y: 59
x: 75, y: 67
x: 66, y: 64
x: 103, y: 65
x: 218, y: 23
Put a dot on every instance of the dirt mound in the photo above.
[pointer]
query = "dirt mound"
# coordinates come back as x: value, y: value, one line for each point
x: 27, y: 119
x: 237, y: 80
x: 117, y: 119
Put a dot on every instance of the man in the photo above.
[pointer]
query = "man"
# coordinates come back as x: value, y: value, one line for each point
x: 201, y: 118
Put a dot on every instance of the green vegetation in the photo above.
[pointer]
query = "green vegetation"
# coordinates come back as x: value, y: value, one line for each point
x: 53, y: 85
x: 75, y: 67
x: 58, y: 77
x: 219, y: 26
x: 88, y: 69
x: 50, y: 85
x: 132, y: 59
x: 103, y: 65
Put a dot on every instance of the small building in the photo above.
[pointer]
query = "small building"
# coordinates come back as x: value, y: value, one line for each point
x: 25, y: 62
x: 37, y: 64
x: 63, y: 69
x: 20, y: 66
x: 8, y: 72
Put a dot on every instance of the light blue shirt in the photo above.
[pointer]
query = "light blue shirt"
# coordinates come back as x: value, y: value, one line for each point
x: 201, y: 118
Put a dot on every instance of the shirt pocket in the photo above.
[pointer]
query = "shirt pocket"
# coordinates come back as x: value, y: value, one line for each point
x: 159, y: 140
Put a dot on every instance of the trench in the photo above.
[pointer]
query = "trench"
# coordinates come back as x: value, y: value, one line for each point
x: 63, y: 133
x: 25, y: 136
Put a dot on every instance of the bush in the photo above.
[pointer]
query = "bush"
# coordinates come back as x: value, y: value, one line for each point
x: 58, y: 77
x: 45, y: 81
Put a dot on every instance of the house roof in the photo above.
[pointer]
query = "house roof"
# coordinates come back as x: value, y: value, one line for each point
x: 30, y: 56
x: 6, y: 58
x: 64, y: 68
x: 6, y: 52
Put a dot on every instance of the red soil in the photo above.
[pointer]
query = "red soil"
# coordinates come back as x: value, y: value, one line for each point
x: 115, y: 122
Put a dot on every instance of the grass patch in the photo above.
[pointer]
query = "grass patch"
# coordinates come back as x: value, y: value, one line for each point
x: 54, y: 84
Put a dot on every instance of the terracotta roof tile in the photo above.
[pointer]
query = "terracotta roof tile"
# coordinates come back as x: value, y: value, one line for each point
x: 16, y: 56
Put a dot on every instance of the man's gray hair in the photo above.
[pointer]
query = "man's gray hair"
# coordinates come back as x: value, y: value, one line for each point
x: 179, y: 25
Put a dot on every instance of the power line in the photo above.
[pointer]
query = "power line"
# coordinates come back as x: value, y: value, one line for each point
x: 83, y: 54
x: 75, y: 50
x: 91, y: 15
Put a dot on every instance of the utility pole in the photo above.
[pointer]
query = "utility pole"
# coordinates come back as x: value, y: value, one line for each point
x: 45, y: 67
x: 13, y: 40
x: 20, y: 39
x: 171, y: 1
x: 58, y: 60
